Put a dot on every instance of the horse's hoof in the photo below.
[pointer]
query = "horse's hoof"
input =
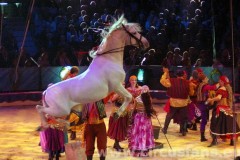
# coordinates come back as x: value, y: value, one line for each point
x: 39, y: 108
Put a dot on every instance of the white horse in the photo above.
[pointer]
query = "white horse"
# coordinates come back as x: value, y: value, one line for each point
x: 104, y: 75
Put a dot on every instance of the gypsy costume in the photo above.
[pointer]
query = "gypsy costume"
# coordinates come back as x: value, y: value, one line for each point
x: 118, y: 128
x: 77, y: 124
x: 222, y: 117
x: 52, y: 139
x: 141, y: 136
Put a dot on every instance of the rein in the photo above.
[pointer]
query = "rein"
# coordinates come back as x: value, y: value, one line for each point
x: 121, y: 49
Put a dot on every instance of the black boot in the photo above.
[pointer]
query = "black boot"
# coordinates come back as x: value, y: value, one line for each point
x: 232, y: 142
x: 73, y: 135
x: 90, y: 157
x: 194, y: 127
x: 50, y: 155
x: 183, y: 129
x: 117, y: 146
x: 203, y: 138
x: 166, y: 124
x: 214, y: 141
x: 102, y: 158
x: 58, y: 155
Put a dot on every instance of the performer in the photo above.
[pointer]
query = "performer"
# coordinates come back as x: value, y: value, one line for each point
x: 53, y: 136
x: 178, y: 91
x: 133, y: 86
x: 94, y: 113
x: 222, y: 116
x: 202, y: 94
x: 117, y: 128
x: 141, y: 138
x: 192, y: 109
x: 73, y: 72
x: 135, y: 90
x: 52, y: 139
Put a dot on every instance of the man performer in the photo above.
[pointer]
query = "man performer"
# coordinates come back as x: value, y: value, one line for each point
x: 178, y: 91
x: 202, y: 95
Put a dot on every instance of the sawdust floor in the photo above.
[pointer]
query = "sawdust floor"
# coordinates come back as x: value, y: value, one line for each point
x: 19, y: 140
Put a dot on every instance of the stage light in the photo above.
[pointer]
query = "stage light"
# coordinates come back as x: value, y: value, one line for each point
x: 140, y: 75
x: 64, y: 71
x: 3, y: 3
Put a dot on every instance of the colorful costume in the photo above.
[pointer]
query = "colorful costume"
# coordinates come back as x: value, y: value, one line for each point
x: 141, y: 138
x: 222, y: 119
x: 76, y: 124
x: 117, y: 128
x: 52, y: 140
x: 178, y: 91
x: 95, y: 127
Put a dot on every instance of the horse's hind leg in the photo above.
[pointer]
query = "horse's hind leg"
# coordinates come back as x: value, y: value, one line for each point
x: 42, y: 116
x: 121, y: 91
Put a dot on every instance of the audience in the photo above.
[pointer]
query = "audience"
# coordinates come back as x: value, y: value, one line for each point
x: 179, y: 27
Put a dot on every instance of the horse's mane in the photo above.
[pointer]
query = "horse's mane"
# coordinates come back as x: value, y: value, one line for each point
x: 117, y: 24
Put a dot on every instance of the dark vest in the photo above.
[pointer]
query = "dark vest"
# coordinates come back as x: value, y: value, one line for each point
x: 100, y: 108
x: 179, y: 88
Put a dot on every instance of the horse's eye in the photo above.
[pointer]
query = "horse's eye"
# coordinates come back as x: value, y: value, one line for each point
x: 134, y: 33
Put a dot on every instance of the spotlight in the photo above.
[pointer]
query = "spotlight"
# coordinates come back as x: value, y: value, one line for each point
x: 140, y: 75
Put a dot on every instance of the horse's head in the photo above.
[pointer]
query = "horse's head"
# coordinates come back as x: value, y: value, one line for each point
x: 121, y: 34
x: 134, y: 37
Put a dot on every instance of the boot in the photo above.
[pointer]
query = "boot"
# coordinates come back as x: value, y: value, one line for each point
x: 232, y: 142
x: 102, y: 158
x: 214, y: 141
x: 58, y: 155
x: 183, y: 129
x: 73, y: 135
x: 166, y: 124
x: 51, y: 155
x: 117, y: 146
x: 90, y: 157
x: 203, y: 138
x: 194, y: 127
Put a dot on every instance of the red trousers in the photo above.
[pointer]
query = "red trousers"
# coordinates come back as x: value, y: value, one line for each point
x: 93, y: 131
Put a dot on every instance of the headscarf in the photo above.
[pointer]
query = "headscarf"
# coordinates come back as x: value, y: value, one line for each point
x: 133, y: 77
x: 199, y: 70
x: 224, y: 79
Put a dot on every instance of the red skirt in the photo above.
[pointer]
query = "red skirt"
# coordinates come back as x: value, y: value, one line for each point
x: 117, y: 129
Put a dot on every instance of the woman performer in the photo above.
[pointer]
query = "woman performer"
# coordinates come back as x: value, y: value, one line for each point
x: 141, y: 138
x: 118, y: 128
x: 222, y: 116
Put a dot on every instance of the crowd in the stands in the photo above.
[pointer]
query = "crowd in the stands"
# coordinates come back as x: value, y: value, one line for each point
x: 181, y: 33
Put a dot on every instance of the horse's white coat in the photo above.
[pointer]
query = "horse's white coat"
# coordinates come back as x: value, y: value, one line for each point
x: 104, y: 75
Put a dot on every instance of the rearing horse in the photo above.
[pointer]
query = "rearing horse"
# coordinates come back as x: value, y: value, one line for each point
x: 104, y: 75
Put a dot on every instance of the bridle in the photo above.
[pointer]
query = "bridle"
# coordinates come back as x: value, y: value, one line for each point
x: 121, y: 49
x: 139, y: 42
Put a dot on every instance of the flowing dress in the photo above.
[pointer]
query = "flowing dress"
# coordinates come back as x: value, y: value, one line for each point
x: 222, y: 118
x: 141, y: 137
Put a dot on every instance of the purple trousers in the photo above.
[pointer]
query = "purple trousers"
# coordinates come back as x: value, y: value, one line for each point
x: 204, y: 115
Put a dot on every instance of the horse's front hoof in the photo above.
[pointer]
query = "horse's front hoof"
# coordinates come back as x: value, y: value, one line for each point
x: 39, y: 108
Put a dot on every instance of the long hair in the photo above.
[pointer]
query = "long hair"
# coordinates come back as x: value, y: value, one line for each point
x: 146, y: 99
x: 230, y: 95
